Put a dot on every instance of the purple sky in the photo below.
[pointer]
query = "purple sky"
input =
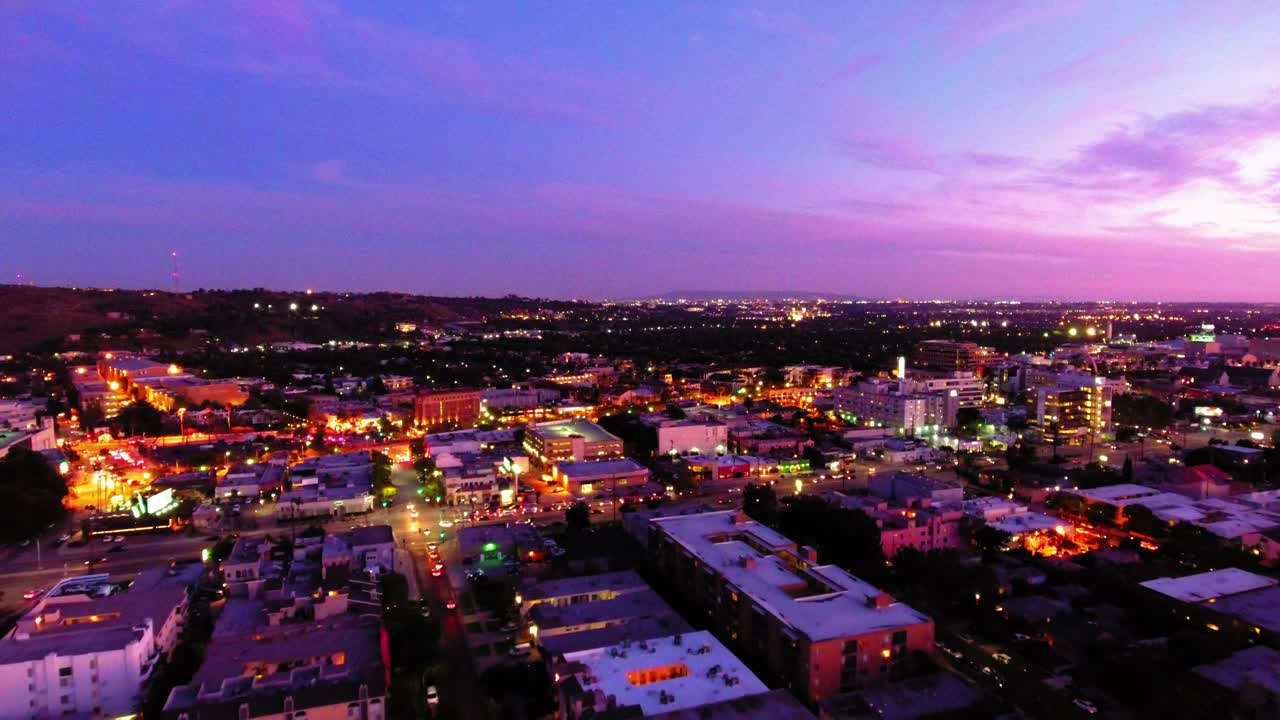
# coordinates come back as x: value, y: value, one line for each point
x: 572, y: 149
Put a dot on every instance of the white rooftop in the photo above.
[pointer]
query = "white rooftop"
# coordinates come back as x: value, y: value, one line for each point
x: 1210, y: 585
x: 689, y: 674
x: 1026, y: 522
x: 1119, y: 495
x: 822, y: 602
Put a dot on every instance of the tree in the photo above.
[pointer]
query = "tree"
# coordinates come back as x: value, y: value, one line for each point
x: 317, y: 442
x: 31, y: 493
x: 578, y: 517
x: 968, y: 419
x: 417, y: 448
x: 140, y: 418
x: 760, y: 503
x: 990, y: 539
x: 675, y: 412
x: 375, y: 386
x: 1126, y: 471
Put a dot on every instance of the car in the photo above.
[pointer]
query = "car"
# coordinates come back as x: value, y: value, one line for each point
x: 1086, y: 705
x: 1001, y: 657
x: 432, y: 547
x: 32, y: 595
x: 437, y: 571
x: 558, y: 552
x: 510, y: 627
x: 966, y: 638
x: 450, y: 604
x: 100, y: 561
x: 474, y: 575
x: 445, y: 524
x: 118, y: 548
x: 433, y: 696
x: 117, y: 539
x: 549, y: 543
x: 521, y: 650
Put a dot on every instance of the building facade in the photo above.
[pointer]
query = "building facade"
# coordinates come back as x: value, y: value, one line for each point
x: 439, y: 407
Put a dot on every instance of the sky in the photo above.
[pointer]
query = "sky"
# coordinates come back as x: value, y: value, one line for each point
x: 967, y: 149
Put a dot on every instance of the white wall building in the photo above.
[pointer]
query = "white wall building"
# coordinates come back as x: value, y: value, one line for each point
x: 692, y: 436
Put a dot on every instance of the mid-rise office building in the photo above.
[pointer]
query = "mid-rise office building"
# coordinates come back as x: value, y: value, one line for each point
x: 817, y: 628
x: 950, y: 356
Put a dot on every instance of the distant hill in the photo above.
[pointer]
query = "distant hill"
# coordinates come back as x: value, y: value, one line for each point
x: 744, y: 295
x: 42, y: 319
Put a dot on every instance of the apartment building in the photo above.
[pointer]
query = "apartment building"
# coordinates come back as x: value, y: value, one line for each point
x: 87, y: 648
x: 816, y: 628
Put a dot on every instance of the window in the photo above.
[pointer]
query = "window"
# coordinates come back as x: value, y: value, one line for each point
x: 64, y: 672
x: 66, y: 699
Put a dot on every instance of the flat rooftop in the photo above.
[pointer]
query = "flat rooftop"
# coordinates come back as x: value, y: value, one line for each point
x: 621, y: 581
x: 1119, y: 495
x: 689, y: 670
x: 619, y: 610
x: 585, y: 429
x: 822, y: 602
x: 773, y: 705
x: 1259, y: 608
x: 1210, y: 585
x: 1027, y: 522
x: 600, y: 468
x: 1258, y: 665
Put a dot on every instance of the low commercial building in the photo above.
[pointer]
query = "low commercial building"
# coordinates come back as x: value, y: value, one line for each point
x: 1224, y: 599
x: 250, y: 481
x: 907, y: 487
x: 460, y: 407
x: 569, y: 441
x: 817, y: 628
x: 1247, y: 681
x: 602, y: 477
x: 690, y: 436
x: 168, y: 392
x: 88, y: 647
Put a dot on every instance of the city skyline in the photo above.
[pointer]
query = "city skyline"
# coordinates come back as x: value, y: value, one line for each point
x: 1074, y: 151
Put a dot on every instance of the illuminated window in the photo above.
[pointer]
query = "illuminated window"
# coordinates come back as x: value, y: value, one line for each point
x: 658, y: 674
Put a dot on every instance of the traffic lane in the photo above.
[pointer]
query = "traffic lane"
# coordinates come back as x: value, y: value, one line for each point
x: 459, y: 685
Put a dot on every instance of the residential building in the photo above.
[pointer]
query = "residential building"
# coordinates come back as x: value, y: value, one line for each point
x: 87, y: 648
x: 444, y: 406
x: 570, y: 440
x: 652, y: 677
x: 891, y: 403
x: 816, y: 628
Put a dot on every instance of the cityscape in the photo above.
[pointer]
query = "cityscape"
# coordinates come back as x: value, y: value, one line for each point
x: 468, y: 361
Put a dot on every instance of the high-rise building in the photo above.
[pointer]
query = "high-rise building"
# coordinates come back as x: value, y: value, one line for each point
x: 438, y: 407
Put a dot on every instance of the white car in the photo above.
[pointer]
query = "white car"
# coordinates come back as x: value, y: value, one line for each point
x: 433, y: 696
x: 445, y: 524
